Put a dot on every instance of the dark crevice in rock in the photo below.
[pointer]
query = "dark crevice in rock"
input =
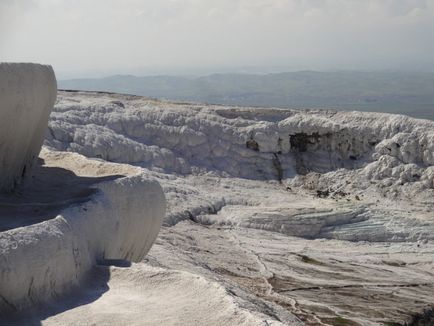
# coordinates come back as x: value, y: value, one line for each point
x: 300, y: 141
x: 253, y: 145
x: 278, y: 167
x: 343, y: 149
x: 425, y: 318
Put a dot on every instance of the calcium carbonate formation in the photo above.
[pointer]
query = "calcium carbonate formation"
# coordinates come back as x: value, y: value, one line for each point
x: 27, y: 95
x: 313, y: 148
x: 73, y: 212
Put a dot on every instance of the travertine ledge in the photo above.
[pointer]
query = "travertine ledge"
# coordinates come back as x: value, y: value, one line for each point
x: 119, y: 218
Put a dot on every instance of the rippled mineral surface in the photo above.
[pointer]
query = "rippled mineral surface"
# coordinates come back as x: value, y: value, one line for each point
x: 276, y: 216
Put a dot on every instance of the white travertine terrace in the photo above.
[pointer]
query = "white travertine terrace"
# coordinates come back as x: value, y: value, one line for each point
x: 298, y: 147
x: 273, y: 217
x: 27, y: 95
x: 346, y: 236
x: 72, y: 212
x: 119, y: 219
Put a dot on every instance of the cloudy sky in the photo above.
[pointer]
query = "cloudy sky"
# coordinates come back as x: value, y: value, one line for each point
x: 90, y: 36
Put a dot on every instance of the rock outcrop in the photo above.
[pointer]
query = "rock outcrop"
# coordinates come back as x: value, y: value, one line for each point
x: 311, y: 148
x: 72, y: 212
x: 27, y: 95
x: 115, y: 213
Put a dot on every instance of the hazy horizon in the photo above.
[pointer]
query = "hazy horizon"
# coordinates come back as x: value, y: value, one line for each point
x: 393, y: 92
x: 89, y: 39
x: 195, y: 72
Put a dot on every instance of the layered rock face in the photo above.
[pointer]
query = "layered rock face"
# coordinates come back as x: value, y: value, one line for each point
x: 27, y: 95
x: 303, y: 147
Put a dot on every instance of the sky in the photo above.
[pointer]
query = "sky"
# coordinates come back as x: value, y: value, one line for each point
x: 91, y: 37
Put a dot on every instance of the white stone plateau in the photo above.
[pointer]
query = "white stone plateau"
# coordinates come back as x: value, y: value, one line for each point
x: 274, y: 216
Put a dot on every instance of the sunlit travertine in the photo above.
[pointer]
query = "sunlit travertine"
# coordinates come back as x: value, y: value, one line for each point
x: 27, y: 95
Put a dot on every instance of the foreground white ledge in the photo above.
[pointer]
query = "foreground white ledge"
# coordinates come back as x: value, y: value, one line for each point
x: 117, y: 218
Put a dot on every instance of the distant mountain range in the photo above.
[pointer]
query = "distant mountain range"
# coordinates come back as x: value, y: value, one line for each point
x: 394, y: 92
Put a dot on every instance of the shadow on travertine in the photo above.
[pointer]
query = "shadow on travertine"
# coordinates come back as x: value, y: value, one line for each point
x: 94, y: 287
x: 44, y: 194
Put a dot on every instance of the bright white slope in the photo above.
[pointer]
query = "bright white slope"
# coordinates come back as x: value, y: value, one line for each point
x: 145, y: 295
x: 323, y: 215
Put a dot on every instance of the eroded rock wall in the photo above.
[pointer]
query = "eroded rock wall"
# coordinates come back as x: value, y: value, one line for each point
x: 253, y: 143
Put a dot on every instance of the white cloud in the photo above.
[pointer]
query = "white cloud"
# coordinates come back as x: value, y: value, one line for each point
x: 100, y: 34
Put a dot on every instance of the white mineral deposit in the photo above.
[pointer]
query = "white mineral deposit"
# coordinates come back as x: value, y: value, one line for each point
x: 27, y: 95
x: 264, y: 217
